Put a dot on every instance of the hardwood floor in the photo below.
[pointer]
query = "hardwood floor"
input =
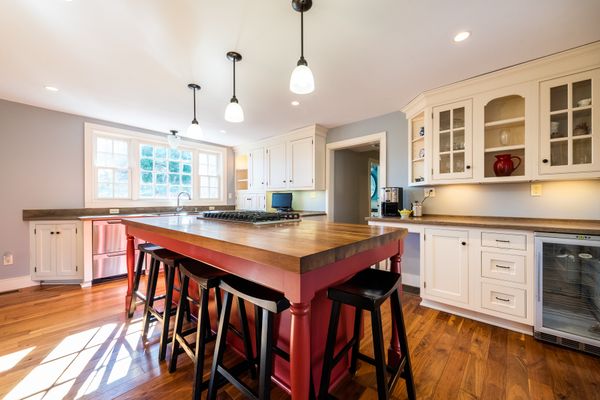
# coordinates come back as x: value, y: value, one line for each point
x: 65, y: 342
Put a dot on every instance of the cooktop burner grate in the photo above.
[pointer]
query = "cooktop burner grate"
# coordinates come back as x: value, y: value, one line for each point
x: 252, y: 217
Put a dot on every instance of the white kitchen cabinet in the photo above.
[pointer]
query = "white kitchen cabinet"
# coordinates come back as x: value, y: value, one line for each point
x: 300, y: 156
x: 276, y: 166
x: 56, y: 250
x: 570, y: 123
x: 256, y: 169
x: 452, y: 141
x: 447, y: 264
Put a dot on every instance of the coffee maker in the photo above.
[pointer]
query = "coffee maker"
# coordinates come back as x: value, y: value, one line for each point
x: 391, y: 201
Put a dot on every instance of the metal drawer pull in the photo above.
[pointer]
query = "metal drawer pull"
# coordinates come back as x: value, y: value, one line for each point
x: 502, y: 241
x: 114, y: 221
x: 502, y: 266
x: 501, y: 299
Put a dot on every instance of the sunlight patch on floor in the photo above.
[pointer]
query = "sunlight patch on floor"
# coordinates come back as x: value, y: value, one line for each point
x: 81, y: 363
x: 9, y: 361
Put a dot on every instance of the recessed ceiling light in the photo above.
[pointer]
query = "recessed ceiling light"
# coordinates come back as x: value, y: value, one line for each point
x: 462, y: 36
x: 295, y: 103
x: 51, y: 88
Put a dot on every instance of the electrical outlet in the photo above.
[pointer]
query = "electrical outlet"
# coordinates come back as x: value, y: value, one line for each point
x: 8, y: 259
x: 429, y: 192
x: 113, y: 210
x: 536, y: 189
x: 211, y: 208
x: 230, y: 195
x: 313, y: 195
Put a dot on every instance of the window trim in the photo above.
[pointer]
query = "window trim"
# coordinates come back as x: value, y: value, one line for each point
x: 134, y: 138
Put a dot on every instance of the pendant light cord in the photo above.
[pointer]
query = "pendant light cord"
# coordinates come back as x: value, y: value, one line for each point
x: 302, y: 35
x: 234, y: 79
x: 194, y: 121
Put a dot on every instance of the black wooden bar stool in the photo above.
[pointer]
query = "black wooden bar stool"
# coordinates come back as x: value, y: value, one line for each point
x: 367, y: 290
x: 169, y: 260
x: 137, y: 297
x: 206, y: 277
x: 268, y: 303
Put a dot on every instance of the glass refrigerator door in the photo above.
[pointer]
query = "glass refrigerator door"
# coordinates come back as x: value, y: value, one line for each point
x: 571, y: 287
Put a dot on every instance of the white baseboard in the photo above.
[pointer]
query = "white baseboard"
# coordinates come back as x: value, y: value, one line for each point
x: 18, y: 282
x: 411, y: 280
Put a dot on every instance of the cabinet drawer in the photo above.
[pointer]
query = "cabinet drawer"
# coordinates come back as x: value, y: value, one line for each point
x: 506, y: 267
x: 504, y: 240
x: 503, y: 299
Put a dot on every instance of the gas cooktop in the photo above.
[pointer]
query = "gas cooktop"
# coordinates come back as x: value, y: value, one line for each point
x: 252, y: 217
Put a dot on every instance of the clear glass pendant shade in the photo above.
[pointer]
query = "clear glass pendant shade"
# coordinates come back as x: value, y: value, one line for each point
x: 173, y: 140
x: 234, y: 112
x: 302, y: 80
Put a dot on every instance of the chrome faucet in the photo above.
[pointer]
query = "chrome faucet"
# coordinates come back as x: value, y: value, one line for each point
x: 179, y: 207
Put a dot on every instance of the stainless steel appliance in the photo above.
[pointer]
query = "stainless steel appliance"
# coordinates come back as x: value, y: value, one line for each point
x: 391, y: 201
x: 109, y: 249
x: 252, y: 217
x: 568, y: 290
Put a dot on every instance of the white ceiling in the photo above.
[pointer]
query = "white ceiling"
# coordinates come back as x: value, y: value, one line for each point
x: 129, y: 61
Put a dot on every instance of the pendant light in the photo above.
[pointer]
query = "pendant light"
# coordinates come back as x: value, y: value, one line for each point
x: 302, y: 80
x: 194, y: 131
x: 234, y: 112
x: 173, y: 139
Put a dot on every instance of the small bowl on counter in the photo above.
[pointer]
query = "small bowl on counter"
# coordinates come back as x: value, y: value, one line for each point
x: 405, y: 214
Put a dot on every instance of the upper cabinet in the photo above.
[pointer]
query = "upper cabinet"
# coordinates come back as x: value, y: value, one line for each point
x: 295, y: 161
x: 569, y: 124
x: 534, y: 121
x: 452, y: 141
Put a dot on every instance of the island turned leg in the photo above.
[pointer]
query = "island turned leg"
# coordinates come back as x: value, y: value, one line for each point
x: 300, y: 351
x: 130, y: 272
x: 394, y: 352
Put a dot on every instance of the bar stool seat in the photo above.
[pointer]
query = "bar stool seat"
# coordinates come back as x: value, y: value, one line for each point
x: 367, y: 290
x: 207, y: 278
x: 169, y: 259
x: 267, y: 303
x: 138, y: 297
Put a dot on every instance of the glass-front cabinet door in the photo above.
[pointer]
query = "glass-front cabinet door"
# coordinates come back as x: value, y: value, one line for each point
x: 452, y: 141
x: 569, y: 124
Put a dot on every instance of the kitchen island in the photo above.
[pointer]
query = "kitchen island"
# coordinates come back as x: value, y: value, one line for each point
x: 299, y: 259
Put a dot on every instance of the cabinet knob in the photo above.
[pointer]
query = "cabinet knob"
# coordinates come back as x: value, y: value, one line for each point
x: 463, y: 243
x: 291, y: 181
x: 283, y: 181
x: 52, y: 233
x: 468, y: 167
x: 545, y: 161
x: 58, y: 233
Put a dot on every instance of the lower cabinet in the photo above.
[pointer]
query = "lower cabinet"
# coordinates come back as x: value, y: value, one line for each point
x: 56, y: 250
x: 447, y: 264
x: 488, y: 272
x: 251, y: 201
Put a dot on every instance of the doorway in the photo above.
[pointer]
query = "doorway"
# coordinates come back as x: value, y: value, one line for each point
x: 355, y: 174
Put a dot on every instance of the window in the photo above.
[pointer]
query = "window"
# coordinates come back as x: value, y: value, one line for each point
x: 125, y: 169
x: 164, y: 172
x: 111, y: 164
x: 209, y: 167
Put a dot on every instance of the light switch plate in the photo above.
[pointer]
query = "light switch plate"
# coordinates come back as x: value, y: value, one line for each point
x: 536, y: 189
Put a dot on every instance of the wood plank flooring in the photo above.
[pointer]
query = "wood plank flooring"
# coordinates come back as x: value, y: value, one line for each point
x: 64, y: 342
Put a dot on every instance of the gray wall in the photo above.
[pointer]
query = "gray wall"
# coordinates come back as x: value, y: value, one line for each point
x: 351, y: 191
x: 568, y: 199
x: 41, y: 164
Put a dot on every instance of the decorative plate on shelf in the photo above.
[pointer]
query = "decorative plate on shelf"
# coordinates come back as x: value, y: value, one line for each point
x: 421, y: 153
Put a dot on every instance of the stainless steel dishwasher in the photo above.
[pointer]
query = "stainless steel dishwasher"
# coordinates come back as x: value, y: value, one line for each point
x: 109, y: 249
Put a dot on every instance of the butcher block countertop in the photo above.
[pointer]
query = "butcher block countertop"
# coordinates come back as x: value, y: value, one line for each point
x: 583, y: 227
x: 298, y: 247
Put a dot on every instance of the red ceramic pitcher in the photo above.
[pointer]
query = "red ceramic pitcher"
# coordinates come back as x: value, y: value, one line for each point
x: 504, y: 165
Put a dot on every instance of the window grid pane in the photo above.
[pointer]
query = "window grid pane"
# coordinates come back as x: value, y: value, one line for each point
x: 112, y: 168
x: 210, y: 179
x: 164, y: 172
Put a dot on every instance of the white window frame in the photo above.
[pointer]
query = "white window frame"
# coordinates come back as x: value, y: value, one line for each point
x: 92, y: 131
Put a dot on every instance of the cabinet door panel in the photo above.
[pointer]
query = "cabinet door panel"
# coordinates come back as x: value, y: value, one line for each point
x: 446, y: 264
x: 45, y: 251
x: 569, y: 139
x: 452, y: 141
x: 301, y: 163
x: 66, y: 250
x: 276, y: 167
x: 256, y: 171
